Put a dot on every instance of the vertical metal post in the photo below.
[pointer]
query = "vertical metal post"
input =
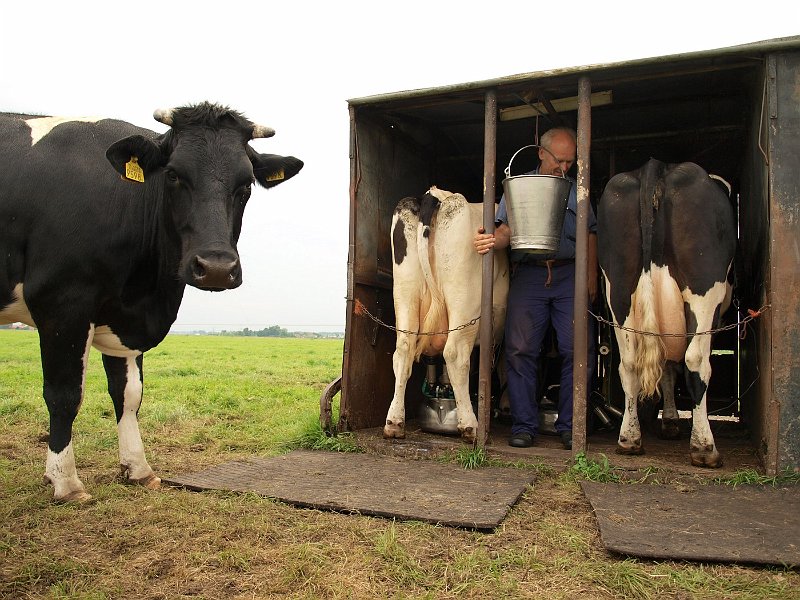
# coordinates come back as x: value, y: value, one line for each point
x: 580, y: 358
x: 486, y: 337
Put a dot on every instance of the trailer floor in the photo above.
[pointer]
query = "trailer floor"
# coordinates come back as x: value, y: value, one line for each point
x: 664, y: 457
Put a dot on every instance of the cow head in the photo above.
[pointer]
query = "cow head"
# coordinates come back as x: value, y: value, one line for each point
x: 206, y: 169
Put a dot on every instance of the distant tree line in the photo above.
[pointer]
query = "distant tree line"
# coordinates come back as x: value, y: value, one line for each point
x: 273, y: 331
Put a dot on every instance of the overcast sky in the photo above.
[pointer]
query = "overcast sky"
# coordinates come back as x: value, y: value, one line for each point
x: 293, y: 66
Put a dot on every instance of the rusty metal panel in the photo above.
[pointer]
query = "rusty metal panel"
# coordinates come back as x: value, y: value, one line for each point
x: 386, y: 166
x: 752, y: 274
x: 784, y: 146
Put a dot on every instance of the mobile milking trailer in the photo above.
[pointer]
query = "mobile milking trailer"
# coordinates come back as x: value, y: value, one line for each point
x: 735, y: 111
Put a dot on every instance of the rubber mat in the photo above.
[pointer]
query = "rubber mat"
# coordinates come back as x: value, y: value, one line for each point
x: 421, y: 490
x: 714, y: 523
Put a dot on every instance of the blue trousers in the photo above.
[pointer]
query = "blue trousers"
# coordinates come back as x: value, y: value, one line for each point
x: 532, y: 307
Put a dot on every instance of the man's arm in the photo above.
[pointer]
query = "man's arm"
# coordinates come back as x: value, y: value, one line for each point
x: 500, y: 239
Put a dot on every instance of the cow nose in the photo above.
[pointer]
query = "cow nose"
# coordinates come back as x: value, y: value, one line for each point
x: 220, y: 274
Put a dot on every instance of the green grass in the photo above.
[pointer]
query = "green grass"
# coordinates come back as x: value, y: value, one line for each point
x: 593, y: 470
x: 209, y: 400
x: 753, y: 477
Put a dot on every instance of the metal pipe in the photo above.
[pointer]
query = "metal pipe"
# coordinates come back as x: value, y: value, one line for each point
x: 486, y: 337
x: 326, y: 404
x: 580, y: 356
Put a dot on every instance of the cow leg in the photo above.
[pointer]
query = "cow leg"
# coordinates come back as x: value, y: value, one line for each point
x: 124, y: 376
x: 402, y: 361
x: 65, y: 352
x: 702, y: 449
x: 407, y: 319
x: 669, y: 416
x: 457, y: 353
x: 630, y: 432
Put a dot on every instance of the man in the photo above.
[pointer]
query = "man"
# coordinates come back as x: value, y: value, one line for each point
x: 542, y: 293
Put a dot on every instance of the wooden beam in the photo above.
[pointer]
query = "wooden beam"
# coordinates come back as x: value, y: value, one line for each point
x: 559, y: 104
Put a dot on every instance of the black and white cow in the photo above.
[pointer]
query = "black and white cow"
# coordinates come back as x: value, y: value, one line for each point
x: 666, y: 242
x: 436, y: 288
x: 92, y: 255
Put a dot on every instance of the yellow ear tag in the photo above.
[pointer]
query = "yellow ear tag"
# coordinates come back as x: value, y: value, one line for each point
x: 277, y: 176
x: 133, y: 171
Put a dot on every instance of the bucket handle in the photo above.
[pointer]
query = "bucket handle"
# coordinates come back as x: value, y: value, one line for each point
x: 507, y: 170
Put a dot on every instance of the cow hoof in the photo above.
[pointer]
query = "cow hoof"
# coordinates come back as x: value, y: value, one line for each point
x: 630, y: 449
x: 708, y: 459
x: 468, y: 435
x: 670, y: 429
x: 76, y: 497
x: 394, y: 430
x: 151, y: 482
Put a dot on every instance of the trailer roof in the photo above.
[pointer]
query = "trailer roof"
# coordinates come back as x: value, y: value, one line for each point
x: 718, y: 56
x: 678, y: 107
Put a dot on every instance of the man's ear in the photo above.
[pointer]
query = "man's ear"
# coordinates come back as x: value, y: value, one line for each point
x: 272, y: 169
x: 135, y: 150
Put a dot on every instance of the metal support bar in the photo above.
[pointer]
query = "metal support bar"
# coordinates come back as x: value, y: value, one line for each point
x: 487, y: 279
x: 580, y: 357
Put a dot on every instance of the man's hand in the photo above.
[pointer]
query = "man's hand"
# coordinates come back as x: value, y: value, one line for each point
x: 483, y: 241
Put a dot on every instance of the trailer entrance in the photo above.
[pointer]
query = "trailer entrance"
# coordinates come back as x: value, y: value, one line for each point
x: 714, y: 108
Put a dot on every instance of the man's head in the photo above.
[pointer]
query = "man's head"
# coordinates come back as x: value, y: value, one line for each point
x: 561, y: 142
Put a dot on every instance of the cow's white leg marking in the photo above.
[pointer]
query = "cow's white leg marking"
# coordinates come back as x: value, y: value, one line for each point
x: 630, y: 433
x: 703, y: 450
x: 60, y: 471
x: 131, y: 449
x: 60, y: 468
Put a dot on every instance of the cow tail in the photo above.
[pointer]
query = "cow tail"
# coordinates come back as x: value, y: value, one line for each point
x: 433, y: 317
x: 650, y: 349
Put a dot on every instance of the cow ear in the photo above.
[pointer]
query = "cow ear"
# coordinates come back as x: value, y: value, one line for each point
x: 146, y: 152
x: 272, y: 169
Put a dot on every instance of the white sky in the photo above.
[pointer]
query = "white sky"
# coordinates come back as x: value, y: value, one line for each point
x: 293, y: 66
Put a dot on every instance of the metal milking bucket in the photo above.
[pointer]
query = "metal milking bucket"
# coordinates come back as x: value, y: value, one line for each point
x: 536, y: 205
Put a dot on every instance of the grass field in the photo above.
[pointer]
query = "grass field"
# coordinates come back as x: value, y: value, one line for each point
x: 213, y: 399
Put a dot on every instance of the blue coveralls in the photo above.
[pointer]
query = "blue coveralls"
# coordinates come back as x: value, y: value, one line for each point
x: 533, y: 304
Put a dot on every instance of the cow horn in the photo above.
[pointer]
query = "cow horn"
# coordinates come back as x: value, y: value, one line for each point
x: 164, y: 115
x: 259, y: 131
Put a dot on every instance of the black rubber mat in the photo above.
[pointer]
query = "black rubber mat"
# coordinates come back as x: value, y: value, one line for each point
x: 421, y: 490
x: 714, y: 523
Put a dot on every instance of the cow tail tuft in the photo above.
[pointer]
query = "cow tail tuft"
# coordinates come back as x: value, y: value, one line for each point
x: 650, y: 349
x: 433, y: 317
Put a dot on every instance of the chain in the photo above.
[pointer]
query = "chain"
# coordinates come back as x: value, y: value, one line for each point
x: 751, y: 314
x: 362, y: 310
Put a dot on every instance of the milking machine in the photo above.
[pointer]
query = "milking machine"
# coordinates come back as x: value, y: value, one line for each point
x: 437, y: 411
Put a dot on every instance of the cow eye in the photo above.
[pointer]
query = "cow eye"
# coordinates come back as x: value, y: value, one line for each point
x: 171, y: 176
x: 244, y: 192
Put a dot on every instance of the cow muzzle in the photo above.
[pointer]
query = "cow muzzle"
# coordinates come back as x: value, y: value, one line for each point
x: 215, y: 273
